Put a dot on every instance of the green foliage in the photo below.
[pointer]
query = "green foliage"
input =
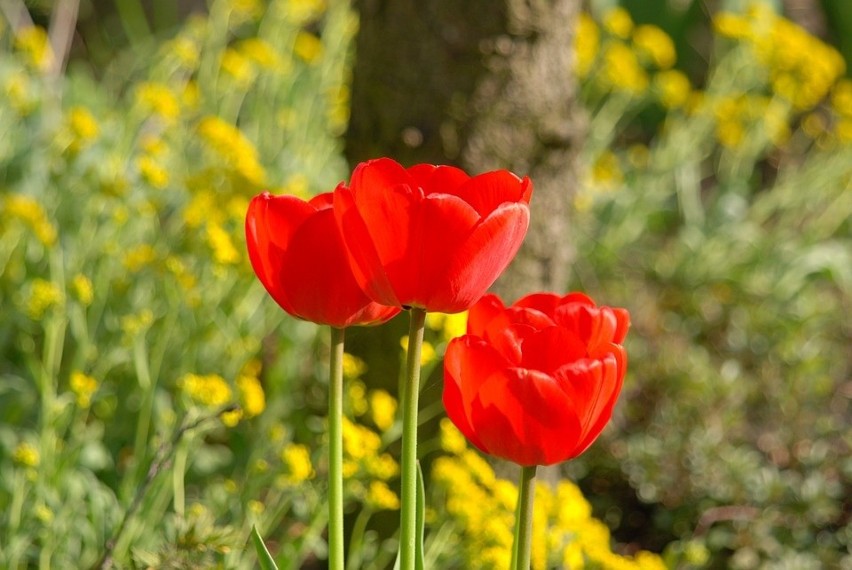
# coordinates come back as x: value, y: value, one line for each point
x: 728, y: 237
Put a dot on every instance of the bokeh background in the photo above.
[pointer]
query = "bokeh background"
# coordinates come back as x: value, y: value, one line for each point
x: 693, y: 163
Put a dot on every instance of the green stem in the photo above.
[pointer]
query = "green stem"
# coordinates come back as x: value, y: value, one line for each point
x: 335, y: 451
x: 410, y: 397
x: 523, y: 526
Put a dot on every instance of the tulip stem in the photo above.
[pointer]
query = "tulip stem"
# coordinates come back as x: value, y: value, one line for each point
x: 410, y: 397
x: 335, y: 451
x: 523, y: 526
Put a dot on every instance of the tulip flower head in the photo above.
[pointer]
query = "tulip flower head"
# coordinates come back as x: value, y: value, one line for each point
x: 430, y: 236
x: 536, y: 383
x: 297, y: 253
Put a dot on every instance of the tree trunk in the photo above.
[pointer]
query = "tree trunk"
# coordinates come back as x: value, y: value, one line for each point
x: 484, y: 85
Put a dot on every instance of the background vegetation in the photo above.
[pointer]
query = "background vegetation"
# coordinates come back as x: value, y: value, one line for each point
x: 154, y: 403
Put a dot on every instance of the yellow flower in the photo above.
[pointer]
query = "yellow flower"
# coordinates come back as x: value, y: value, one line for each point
x: 152, y: 172
x: 27, y: 455
x: 243, y: 10
x: 297, y: 461
x: 230, y: 144
x: 185, y: 51
x: 674, y: 88
x: 20, y: 93
x: 133, y: 325
x: 256, y: 507
x: 383, y: 407
x: 656, y: 45
x: 252, y: 397
x: 359, y: 442
x: 33, y: 42
x: 730, y: 25
x: 43, y: 295
x: 224, y: 252
x: 841, y: 97
x: 617, y: 21
x: 586, y: 44
x: 158, y: 99
x: 606, y: 170
x: 260, y: 52
x: 83, y: 387
x: 308, y: 47
x: 139, y: 257
x: 83, y: 126
x: 381, y: 497
x: 211, y: 390
x: 303, y: 11
x: 450, y: 325
x: 355, y: 397
x: 621, y: 69
x: 83, y: 289
x: 353, y: 367
x: 427, y: 351
x: 31, y: 213
x: 234, y: 64
x: 452, y: 440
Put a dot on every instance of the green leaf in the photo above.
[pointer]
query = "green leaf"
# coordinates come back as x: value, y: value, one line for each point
x: 420, y: 515
x: 263, y: 556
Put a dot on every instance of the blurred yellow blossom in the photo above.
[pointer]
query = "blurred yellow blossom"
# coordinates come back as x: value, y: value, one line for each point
x: 618, y: 22
x: 185, y: 51
x: 621, y: 69
x: 449, y: 325
x: 841, y: 97
x: 452, y: 439
x: 730, y: 25
x: 674, y: 88
x: 83, y: 387
x: 210, y: 390
x: 655, y: 44
x: 138, y: 257
x: 252, y: 397
x: 231, y: 144
x: 586, y: 44
x: 238, y: 67
x: 83, y: 289
x: 157, y: 99
x: 383, y: 407
x: 259, y: 52
x: 135, y: 324
x: 152, y: 172
x: 353, y: 367
x: 27, y: 455
x: 308, y: 47
x: 19, y: 91
x: 606, y: 170
x: 303, y: 11
x: 83, y: 126
x: 43, y: 295
x: 224, y: 252
x: 356, y: 400
x: 32, y: 214
x: 34, y: 43
x: 297, y: 463
x: 381, y: 497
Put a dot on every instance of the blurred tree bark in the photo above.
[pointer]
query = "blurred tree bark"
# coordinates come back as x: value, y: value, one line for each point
x: 484, y: 85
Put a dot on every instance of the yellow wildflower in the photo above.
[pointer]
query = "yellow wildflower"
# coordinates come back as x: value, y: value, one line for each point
x: 230, y: 144
x: 33, y: 42
x: 359, y: 442
x: 383, y: 407
x: 606, y: 170
x: 152, y: 172
x: 674, y: 88
x: 83, y: 387
x: 353, y: 367
x: 157, y: 99
x: 133, y: 325
x: 617, y: 21
x: 730, y: 25
x: 381, y: 497
x: 244, y: 10
x: 43, y: 295
x: 308, y: 47
x: 139, y: 257
x: 256, y: 507
x: 843, y: 130
x: 27, y: 455
x: 30, y: 212
x: 83, y: 289
x: 84, y: 128
x: 185, y: 51
x: 621, y: 69
x: 297, y: 461
x: 355, y: 397
x: 586, y: 44
x: 303, y: 11
x: 655, y: 44
x: 252, y: 397
x: 19, y: 92
x: 210, y: 390
x: 841, y: 97
x: 259, y: 52
x: 224, y: 252
x: 234, y: 64
x: 452, y: 440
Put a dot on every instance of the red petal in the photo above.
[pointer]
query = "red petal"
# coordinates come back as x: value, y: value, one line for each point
x: 367, y: 267
x: 610, y: 379
x: 475, y: 266
x: 543, y: 429
x: 483, y: 312
x: 486, y: 192
x: 543, y: 302
x: 380, y: 173
x: 438, y: 179
x: 316, y: 276
x: 468, y: 362
x: 550, y: 348
x: 270, y: 224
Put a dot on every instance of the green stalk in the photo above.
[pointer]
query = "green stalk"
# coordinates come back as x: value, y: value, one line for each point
x: 523, y: 526
x: 335, y: 451
x: 410, y: 396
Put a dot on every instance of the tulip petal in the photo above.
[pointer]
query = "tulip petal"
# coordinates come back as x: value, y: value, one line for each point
x: 374, y: 176
x: 468, y: 362
x: 438, y: 179
x: 550, y: 348
x: 475, y: 266
x: 366, y: 266
x: 535, y: 406
x: 270, y: 224
x: 483, y: 312
x: 486, y: 192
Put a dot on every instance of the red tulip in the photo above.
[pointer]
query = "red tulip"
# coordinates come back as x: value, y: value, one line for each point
x: 430, y: 236
x: 297, y: 253
x: 536, y: 382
